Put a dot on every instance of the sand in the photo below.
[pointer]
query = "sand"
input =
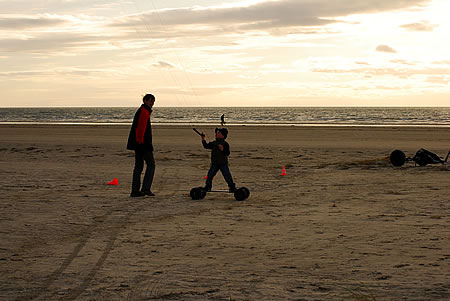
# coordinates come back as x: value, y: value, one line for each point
x: 343, y: 224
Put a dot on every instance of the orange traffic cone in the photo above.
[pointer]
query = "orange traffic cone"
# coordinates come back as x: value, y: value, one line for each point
x: 283, y: 172
x: 113, y: 182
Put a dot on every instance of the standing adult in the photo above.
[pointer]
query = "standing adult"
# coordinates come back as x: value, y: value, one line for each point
x: 140, y: 140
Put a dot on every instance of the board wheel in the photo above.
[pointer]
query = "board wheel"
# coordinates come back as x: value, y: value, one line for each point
x: 197, y: 193
x: 241, y: 194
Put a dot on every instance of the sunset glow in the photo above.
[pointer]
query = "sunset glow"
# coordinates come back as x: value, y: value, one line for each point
x: 225, y: 53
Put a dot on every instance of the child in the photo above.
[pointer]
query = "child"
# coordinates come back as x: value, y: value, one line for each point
x: 220, y: 150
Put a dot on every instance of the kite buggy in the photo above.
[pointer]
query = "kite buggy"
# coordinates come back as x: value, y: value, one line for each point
x: 422, y: 157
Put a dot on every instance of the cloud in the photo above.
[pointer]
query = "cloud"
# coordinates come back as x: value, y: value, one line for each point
x: 265, y: 15
x: 405, y: 72
x: 445, y: 62
x: 42, y: 33
x: 386, y: 48
x: 441, y: 80
x: 421, y: 26
x: 404, y: 62
x: 23, y: 74
x: 26, y: 75
x: 58, y: 6
x: 53, y: 42
x: 162, y: 64
x: 62, y: 33
x: 19, y: 22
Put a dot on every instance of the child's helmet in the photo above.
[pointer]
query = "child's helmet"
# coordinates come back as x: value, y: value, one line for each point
x: 224, y: 132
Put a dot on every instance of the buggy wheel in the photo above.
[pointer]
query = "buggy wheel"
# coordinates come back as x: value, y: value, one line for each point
x: 397, y: 158
x: 241, y: 194
x: 197, y: 193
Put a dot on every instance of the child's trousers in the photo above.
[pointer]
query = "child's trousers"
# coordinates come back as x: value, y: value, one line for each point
x: 225, y: 172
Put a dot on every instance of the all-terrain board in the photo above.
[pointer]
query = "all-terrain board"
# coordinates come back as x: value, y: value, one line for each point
x: 240, y: 194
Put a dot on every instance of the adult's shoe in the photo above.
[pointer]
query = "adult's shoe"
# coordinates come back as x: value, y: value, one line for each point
x: 148, y: 193
x: 136, y: 194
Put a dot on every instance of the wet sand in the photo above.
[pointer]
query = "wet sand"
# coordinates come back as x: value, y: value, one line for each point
x: 343, y: 224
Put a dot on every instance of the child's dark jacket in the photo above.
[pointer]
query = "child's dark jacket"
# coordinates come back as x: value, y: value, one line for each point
x: 218, y: 156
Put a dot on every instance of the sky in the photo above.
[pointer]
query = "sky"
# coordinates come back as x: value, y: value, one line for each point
x: 107, y: 53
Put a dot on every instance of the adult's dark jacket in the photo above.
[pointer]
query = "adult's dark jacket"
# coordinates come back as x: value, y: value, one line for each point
x: 140, y: 137
x: 218, y: 156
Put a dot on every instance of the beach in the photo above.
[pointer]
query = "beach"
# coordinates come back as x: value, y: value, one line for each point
x: 342, y: 224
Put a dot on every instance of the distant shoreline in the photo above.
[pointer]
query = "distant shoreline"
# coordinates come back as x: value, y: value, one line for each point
x: 278, y: 117
x: 429, y: 125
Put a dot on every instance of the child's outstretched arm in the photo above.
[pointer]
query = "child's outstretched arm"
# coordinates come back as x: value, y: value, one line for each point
x: 205, y: 144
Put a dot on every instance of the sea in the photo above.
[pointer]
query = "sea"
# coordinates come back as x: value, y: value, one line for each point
x: 280, y: 116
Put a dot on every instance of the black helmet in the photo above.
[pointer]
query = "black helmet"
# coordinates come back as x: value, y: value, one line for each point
x: 224, y: 132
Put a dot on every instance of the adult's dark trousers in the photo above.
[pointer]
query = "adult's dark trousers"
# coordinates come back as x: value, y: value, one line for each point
x: 141, y: 156
x: 225, y: 172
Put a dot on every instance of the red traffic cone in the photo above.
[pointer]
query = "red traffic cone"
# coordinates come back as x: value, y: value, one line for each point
x: 283, y: 172
x: 113, y: 182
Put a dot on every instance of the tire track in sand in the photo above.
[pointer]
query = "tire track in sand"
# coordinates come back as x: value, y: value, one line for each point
x: 114, y: 227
